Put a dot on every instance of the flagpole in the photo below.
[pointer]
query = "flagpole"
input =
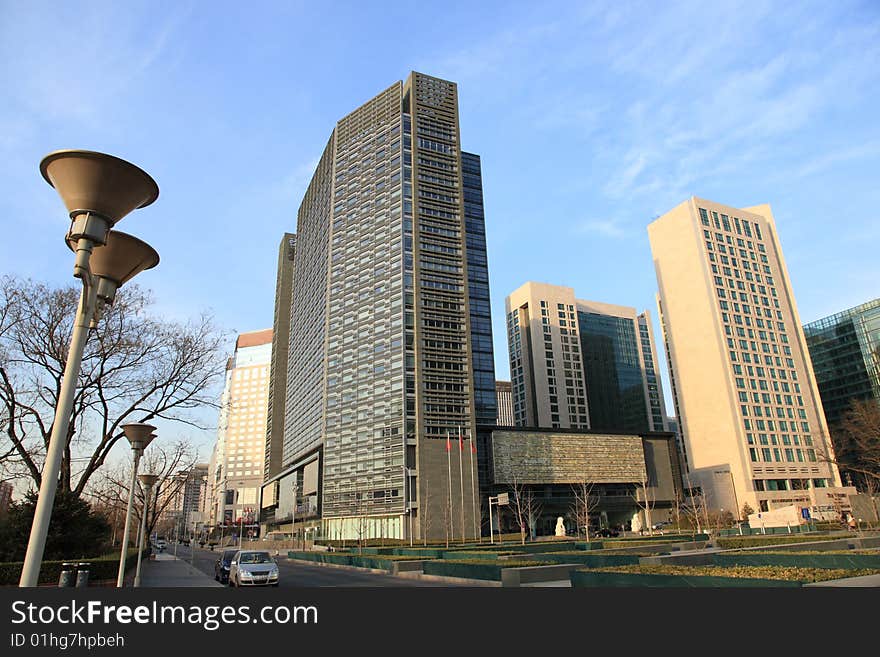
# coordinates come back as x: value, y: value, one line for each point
x: 461, y: 480
x: 474, y: 489
x: 449, y: 488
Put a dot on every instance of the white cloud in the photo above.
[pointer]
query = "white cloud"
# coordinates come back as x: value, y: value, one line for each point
x: 611, y: 228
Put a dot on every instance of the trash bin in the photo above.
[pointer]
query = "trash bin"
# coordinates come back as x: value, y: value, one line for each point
x: 66, y: 578
x: 82, y: 575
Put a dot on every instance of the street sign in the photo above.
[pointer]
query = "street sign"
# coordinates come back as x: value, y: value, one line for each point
x: 503, y: 499
x: 805, y: 513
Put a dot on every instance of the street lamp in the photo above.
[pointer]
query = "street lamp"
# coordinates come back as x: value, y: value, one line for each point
x: 139, y: 435
x: 98, y: 191
x: 147, y: 481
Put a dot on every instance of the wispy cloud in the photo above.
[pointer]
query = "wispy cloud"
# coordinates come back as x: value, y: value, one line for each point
x: 611, y: 228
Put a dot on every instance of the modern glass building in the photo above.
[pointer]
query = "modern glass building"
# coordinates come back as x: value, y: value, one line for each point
x: 623, y: 389
x: 390, y: 335
x: 581, y: 364
x: 845, y: 350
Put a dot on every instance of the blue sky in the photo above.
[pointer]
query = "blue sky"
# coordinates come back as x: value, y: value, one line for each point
x: 591, y: 120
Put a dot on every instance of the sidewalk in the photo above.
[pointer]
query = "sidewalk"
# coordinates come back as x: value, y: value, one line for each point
x: 166, y: 571
x: 864, y: 580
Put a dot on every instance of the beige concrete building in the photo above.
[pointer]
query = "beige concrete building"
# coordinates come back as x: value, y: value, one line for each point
x: 546, y: 371
x: 743, y: 386
x: 581, y: 364
x: 236, y: 468
x: 504, y: 395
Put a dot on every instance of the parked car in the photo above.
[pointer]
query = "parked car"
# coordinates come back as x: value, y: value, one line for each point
x: 253, y: 568
x: 606, y: 532
x: 221, y: 566
x: 663, y: 524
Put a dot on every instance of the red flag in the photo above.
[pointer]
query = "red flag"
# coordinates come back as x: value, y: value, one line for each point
x: 460, y: 442
x: 448, y: 444
x: 473, y: 447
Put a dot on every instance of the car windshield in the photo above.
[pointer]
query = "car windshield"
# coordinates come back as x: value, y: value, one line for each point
x: 255, y: 557
x: 229, y: 554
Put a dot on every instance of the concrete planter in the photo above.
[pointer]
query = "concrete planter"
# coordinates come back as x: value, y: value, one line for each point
x: 488, y: 571
x: 532, y: 574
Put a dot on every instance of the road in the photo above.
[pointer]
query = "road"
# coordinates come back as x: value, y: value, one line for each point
x: 296, y: 574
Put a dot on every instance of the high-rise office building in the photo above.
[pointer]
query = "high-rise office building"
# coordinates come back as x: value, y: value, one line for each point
x: 581, y: 364
x: 238, y: 458
x: 743, y: 386
x: 504, y: 394
x: 845, y: 350
x: 280, y: 351
x: 390, y: 338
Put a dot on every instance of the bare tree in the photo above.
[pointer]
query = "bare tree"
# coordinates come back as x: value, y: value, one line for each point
x: 582, y: 507
x: 165, y: 460
x: 534, y: 508
x: 856, y: 442
x: 136, y: 367
x: 645, y: 500
x: 520, y: 507
x: 677, y: 506
x: 695, y: 507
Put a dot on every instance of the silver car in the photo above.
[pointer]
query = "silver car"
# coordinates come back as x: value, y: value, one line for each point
x: 253, y: 568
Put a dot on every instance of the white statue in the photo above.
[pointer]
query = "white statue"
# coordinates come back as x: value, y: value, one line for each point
x: 560, y: 526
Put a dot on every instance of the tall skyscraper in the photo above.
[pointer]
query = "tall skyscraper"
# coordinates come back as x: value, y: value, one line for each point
x: 581, y: 364
x: 743, y: 386
x: 238, y: 458
x: 845, y: 350
x: 280, y: 351
x: 390, y: 339
x: 504, y: 394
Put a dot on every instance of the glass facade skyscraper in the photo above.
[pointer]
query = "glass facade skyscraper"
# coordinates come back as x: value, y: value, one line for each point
x: 845, y: 350
x: 390, y: 341
x: 613, y: 371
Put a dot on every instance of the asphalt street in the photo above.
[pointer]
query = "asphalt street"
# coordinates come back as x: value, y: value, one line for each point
x: 295, y: 574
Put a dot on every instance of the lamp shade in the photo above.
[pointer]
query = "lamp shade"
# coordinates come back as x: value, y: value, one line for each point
x: 100, y: 183
x: 122, y: 258
x: 148, y: 480
x: 139, y: 434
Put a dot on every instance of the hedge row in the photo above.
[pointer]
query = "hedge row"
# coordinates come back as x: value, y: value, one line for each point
x: 378, y: 562
x: 754, y: 541
x: 589, y: 560
x: 100, y: 568
x: 777, y: 573
x: 807, y: 560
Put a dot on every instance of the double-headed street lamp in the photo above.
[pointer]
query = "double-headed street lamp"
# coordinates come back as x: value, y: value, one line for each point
x: 98, y: 191
x: 139, y: 435
x: 147, y: 481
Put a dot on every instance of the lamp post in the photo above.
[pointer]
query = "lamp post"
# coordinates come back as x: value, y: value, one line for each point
x: 147, y: 481
x: 139, y: 435
x: 98, y: 191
